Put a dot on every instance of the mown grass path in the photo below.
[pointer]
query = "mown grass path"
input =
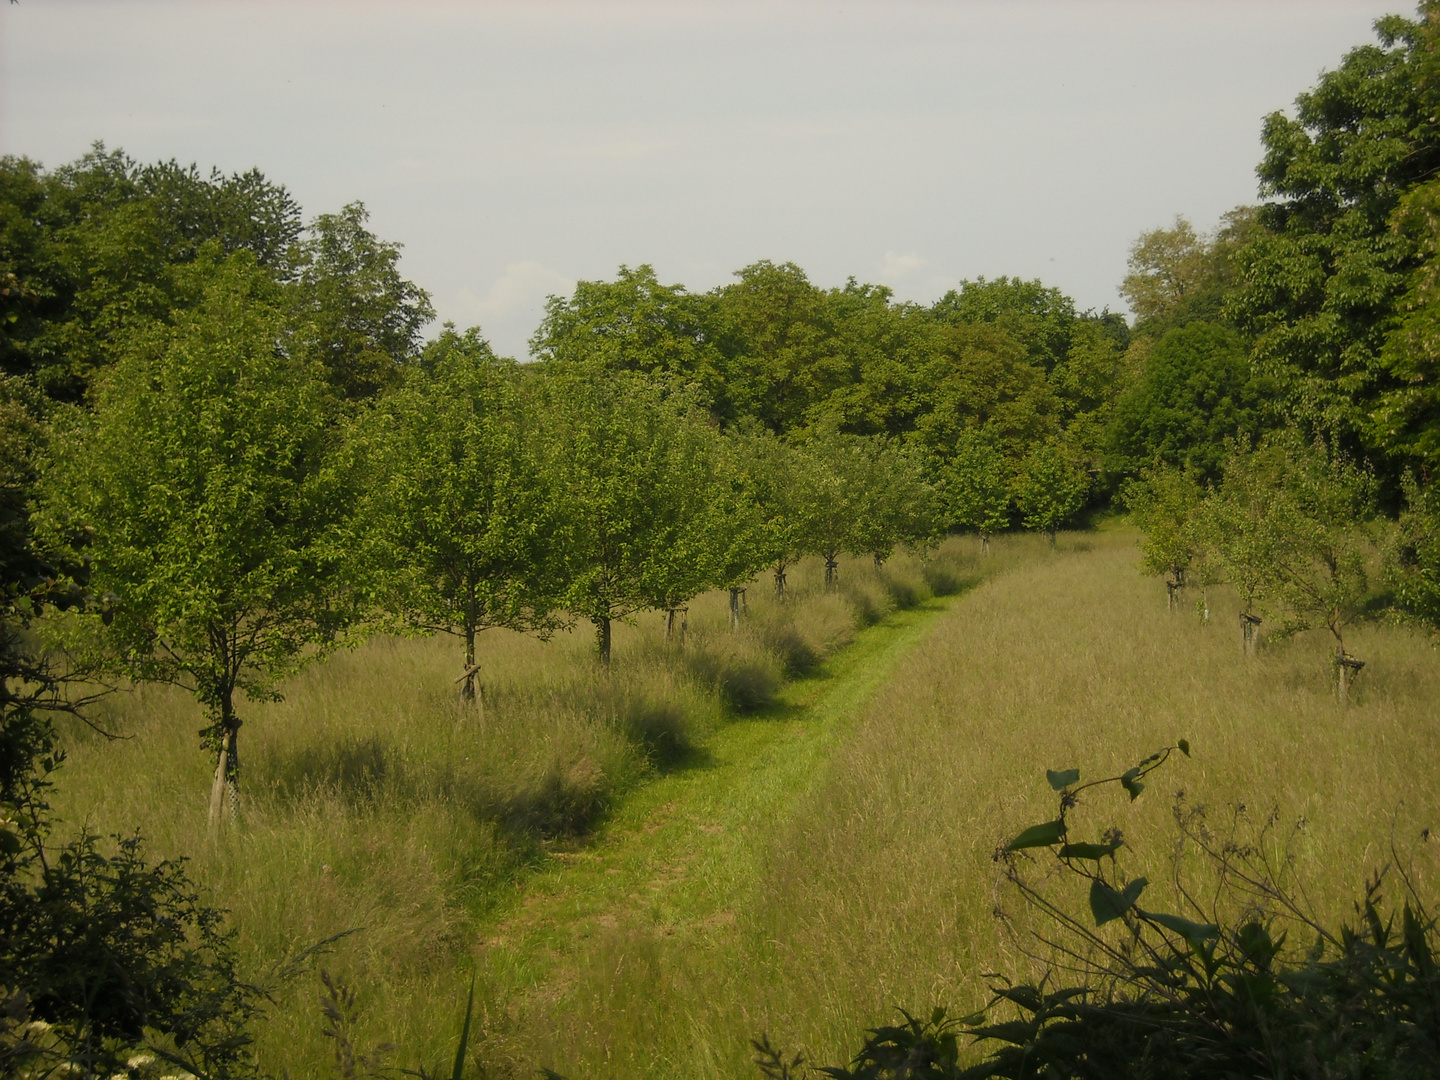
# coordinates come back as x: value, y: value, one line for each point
x: 679, y: 856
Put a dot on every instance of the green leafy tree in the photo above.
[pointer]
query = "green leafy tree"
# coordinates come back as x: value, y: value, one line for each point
x: 976, y: 486
x: 1164, y: 504
x: 353, y: 312
x: 1049, y: 488
x: 630, y: 451
x: 1414, y: 558
x: 100, y: 245
x: 219, y: 522
x: 775, y: 333
x: 776, y: 475
x: 898, y: 505
x: 461, y: 520
x: 637, y: 324
x: 1307, y: 553
x: 1196, y: 391
x: 1322, y: 282
x: 1039, y: 317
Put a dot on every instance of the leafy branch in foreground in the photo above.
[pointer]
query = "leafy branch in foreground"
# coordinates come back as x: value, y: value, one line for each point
x: 1145, y: 993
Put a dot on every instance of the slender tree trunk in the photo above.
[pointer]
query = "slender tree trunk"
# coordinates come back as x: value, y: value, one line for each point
x: 468, y: 692
x: 1249, y: 633
x: 984, y: 543
x: 602, y: 638
x: 879, y: 562
x: 225, y: 789
x: 832, y: 571
x: 1051, y: 534
x: 1346, y: 670
x: 684, y: 624
x: 736, y: 595
x: 670, y: 614
x: 780, y: 582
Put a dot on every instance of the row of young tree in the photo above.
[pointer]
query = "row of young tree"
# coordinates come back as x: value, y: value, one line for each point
x: 1293, y: 527
x: 234, y: 517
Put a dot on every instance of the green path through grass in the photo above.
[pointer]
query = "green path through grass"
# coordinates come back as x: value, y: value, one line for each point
x: 676, y: 862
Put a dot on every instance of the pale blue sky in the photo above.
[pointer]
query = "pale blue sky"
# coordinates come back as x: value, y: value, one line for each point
x: 514, y: 148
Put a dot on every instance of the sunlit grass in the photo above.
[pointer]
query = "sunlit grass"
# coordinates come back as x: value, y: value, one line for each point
x: 879, y: 888
x: 376, y: 800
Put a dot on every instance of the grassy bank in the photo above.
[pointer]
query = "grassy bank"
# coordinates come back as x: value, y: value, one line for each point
x: 375, y: 798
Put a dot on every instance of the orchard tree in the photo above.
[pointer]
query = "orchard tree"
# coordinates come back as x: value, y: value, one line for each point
x: 461, y: 521
x: 1049, y: 488
x: 833, y: 498
x: 220, y: 524
x: 1164, y: 505
x: 897, y: 503
x: 976, y: 484
x: 776, y: 475
x: 631, y: 453
x: 1308, y: 550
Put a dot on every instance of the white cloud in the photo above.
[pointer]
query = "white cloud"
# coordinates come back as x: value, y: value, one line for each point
x: 523, y: 286
x: 510, y: 310
x: 895, y: 265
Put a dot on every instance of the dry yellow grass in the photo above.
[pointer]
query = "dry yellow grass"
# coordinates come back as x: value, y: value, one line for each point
x: 880, y: 890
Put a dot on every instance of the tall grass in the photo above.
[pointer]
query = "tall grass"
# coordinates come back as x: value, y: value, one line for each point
x: 881, y: 888
x: 376, y: 799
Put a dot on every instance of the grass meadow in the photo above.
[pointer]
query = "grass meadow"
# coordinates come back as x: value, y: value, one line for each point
x: 376, y: 800
x: 878, y: 886
x: 787, y: 830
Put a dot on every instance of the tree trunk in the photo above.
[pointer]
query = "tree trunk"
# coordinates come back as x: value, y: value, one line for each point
x: 780, y: 582
x: 468, y: 691
x: 225, y: 789
x: 984, y: 544
x: 1249, y: 633
x: 1172, y: 594
x: 1051, y: 534
x: 670, y: 614
x: 1346, y: 670
x: 684, y: 624
x: 879, y: 562
x: 735, y: 596
x: 602, y: 638
x: 832, y: 571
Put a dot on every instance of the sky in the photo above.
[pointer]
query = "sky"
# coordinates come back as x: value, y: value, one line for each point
x: 514, y: 149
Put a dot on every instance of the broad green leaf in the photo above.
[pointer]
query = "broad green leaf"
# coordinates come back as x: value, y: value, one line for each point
x: 1038, y: 836
x: 1059, y: 781
x: 1132, y: 785
x: 1089, y: 851
x: 1107, y: 904
x: 1195, y: 933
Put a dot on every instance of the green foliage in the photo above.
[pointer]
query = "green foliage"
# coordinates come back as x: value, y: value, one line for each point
x: 1195, y: 392
x: 206, y: 473
x: 1164, y: 504
x: 1288, y: 526
x: 1040, y: 318
x: 976, y: 485
x: 1321, y: 285
x: 352, y: 312
x: 1049, y: 488
x: 1413, y: 561
x: 636, y: 324
x: 461, y: 520
x: 636, y: 478
x: 99, y: 246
